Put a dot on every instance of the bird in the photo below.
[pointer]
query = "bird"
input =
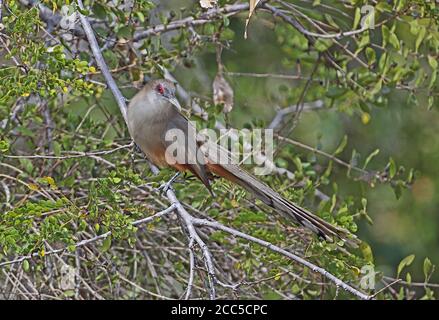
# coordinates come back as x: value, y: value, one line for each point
x: 155, y: 111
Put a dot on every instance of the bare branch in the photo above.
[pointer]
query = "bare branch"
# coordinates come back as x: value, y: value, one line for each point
x: 281, y: 113
x: 76, y: 154
x: 208, y: 17
x: 101, y: 62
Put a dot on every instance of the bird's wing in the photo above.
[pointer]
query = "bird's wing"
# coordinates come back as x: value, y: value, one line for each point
x: 185, y: 149
x: 233, y: 172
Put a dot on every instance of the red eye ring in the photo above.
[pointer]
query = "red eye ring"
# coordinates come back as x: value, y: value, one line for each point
x: 160, y: 89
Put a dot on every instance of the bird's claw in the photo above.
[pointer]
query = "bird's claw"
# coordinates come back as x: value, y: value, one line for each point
x: 137, y: 148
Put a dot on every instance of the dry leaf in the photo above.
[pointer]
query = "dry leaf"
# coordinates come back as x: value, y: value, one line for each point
x: 252, y: 7
x: 222, y: 93
x: 207, y: 3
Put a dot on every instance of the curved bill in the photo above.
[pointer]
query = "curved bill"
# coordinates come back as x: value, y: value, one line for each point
x: 175, y: 103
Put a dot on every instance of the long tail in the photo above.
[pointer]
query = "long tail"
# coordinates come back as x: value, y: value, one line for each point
x: 273, y: 199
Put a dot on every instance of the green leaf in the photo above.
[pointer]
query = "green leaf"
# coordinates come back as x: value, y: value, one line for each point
x: 370, y: 55
x: 428, y: 268
x: 430, y: 102
x: 432, y: 62
x: 364, y: 107
x: 433, y: 80
x: 99, y: 11
x: 27, y: 165
x: 405, y: 263
x: 364, y: 40
x: 357, y: 18
x: 383, y: 6
x: 69, y: 293
x: 414, y: 27
x: 408, y: 278
x: 342, y: 145
x: 323, y: 44
x: 226, y: 21
x: 26, y: 265
x: 115, y: 180
x: 56, y: 148
x: 331, y: 21
x: 315, y: 3
x: 25, y: 131
x: 420, y: 37
x: 385, y: 31
x: 141, y: 16
x: 370, y: 157
x: 4, y: 146
x: 394, y: 41
x: 84, y: 12
x: 397, y: 188
x: 125, y: 32
x: 366, y: 251
x: 392, y: 168
x: 383, y: 63
x: 335, y: 92
x: 106, y: 244
x: 271, y: 295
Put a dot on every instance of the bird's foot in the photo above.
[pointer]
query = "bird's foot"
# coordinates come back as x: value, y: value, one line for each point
x: 137, y: 148
x: 168, y: 185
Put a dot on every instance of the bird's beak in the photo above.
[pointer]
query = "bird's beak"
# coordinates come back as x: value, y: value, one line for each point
x: 175, y: 102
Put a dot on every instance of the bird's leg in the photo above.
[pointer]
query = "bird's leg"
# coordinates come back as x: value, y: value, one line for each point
x: 133, y: 154
x: 137, y: 148
x: 168, y: 185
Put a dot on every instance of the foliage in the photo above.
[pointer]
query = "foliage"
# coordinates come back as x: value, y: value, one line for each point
x: 87, y: 181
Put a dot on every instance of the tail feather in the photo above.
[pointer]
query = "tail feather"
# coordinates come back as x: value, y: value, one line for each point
x: 273, y: 199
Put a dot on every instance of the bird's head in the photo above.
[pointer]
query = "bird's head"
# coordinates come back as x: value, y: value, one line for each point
x: 165, y: 89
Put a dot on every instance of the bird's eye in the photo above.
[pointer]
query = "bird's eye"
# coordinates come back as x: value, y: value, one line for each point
x: 160, y: 89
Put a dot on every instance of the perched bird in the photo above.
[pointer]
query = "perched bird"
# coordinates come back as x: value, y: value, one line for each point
x: 155, y: 111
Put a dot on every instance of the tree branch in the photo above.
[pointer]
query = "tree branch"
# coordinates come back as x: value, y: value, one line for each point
x: 291, y: 256
x: 215, y: 13
x: 101, y: 62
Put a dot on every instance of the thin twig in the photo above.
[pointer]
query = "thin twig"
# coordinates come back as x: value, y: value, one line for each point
x: 270, y: 75
x: 77, y: 154
x: 327, y: 35
x: 386, y: 287
x: 414, y: 284
x: 322, y: 153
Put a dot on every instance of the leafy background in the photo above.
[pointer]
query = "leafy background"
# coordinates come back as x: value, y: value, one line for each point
x: 387, y: 102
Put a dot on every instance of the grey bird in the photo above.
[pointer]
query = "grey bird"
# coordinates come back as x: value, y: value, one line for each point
x: 155, y: 110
